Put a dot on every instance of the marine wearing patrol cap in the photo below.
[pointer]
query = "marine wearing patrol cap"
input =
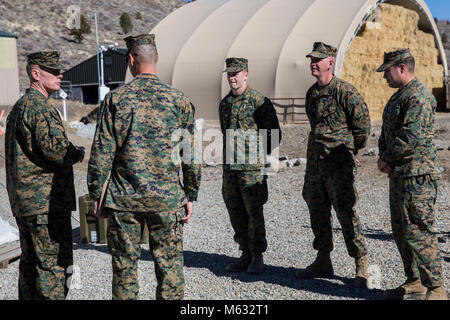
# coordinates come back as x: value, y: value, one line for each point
x: 134, y: 41
x: 393, y: 58
x: 49, y: 59
x: 322, y: 50
x: 236, y: 64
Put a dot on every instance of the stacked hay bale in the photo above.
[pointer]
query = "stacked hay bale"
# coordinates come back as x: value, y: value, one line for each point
x: 395, y: 27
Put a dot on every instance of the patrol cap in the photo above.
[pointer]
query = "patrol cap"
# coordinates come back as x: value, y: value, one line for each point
x: 134, y: 41
x: 49, y: 59
x: 393, y: 58
x: 322, y: 50
x: 236, y: 64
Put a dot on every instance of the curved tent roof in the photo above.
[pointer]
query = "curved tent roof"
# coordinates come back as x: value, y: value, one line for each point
x: 275, y: 35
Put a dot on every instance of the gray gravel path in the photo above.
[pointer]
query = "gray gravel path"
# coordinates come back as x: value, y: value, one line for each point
x: 208, y: 246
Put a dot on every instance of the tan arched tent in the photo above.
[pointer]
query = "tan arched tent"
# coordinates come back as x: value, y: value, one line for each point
x: 275, y: 35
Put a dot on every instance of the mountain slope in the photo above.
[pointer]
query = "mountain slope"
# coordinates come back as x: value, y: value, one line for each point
x: 41, y: 25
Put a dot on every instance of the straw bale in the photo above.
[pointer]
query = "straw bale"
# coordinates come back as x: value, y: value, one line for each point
x: 398, y: 28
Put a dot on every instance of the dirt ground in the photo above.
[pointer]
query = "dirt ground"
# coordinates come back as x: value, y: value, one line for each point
x: 293, y: 144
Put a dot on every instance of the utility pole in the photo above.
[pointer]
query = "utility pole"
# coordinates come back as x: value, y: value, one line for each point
x: 102, y: 89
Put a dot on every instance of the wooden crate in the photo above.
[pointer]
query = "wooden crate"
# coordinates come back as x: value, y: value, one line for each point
x: 8, y: 252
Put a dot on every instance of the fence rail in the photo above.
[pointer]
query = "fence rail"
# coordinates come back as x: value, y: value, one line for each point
x: 290, y: 110
x: 447, y: 92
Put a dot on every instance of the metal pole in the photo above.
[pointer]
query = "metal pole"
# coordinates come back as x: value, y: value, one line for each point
x: 102, y: 71
x: 64, y: 110
x: 98, y: 60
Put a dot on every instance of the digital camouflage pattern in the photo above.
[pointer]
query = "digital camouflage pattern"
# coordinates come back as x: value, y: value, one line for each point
x: 49, y: 59
x: 393, y: 58
x: 340, y: 125
x: 406, y: 143
x: 244, y: 194
x: 338, y: 116
x: 241, y: 119
x: 46, y: 244
x: 40, y: 184
x: 39, y: 158
x: 244, y: 187
x: 166, y: 248
x: 142, y: 39
x: 406, y: 140
x: 412, y: 201
x: 236, y: 64
x: 331, y: 182
x: 322, y: 50
x: 133, y: 141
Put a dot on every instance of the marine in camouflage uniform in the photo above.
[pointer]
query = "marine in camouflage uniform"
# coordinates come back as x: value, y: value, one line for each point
x: 243, y: 115
x: 408, y: 154
x: 133, y: 141
x: 40, y: 184
x: 340, y: 125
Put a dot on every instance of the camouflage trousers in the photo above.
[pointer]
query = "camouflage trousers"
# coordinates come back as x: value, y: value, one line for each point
x: 244, y: 194
x: 46, y: 244
x: 166, y: 248
x: 412, y: 216
x: 330, y: 181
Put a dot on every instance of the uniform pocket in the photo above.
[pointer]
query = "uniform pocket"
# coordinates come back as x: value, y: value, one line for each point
x: 333, y: 118
x: 421, y: 211
x: 46, y: 237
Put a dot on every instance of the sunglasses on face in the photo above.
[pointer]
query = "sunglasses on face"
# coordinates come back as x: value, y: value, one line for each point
x: 55, y: 72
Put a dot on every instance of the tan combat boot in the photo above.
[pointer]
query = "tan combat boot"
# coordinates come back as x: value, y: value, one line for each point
x: 321, y: 267
x: 256, y: 265
x: 241, y: 264
x: 411, y: 289
x: 362, y: 272
x: 436, y: 293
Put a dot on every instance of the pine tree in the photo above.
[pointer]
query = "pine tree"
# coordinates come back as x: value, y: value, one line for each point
x: 78, y: 34
x: 444, y: 37
x: 125, y: 23
x: 138, y: 16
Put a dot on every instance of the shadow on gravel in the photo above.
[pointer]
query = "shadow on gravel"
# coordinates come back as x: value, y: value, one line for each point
x: 444, y: 237
x: 101, y: 247
x: 335, y: 286
x: 378, y: 234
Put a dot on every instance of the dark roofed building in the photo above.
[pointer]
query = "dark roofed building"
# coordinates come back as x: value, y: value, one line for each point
x: 81, y: 81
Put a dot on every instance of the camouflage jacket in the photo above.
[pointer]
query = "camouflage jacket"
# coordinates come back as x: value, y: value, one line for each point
x: 407, y: 133
x: 39, y: 158
x: 136, y: 141
x: 338, y: 116
x: 242, y: 118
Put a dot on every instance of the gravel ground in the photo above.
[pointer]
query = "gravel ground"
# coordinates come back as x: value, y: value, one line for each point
x: 208, y: 247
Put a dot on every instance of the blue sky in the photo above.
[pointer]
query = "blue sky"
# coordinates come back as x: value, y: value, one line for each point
x: 439, y: 8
